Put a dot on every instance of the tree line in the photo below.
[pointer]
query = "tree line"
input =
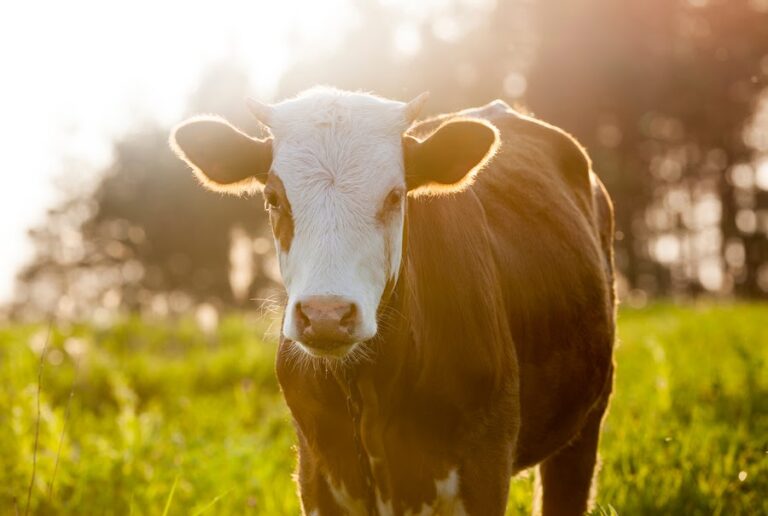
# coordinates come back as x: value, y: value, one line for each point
x: 668, y: 96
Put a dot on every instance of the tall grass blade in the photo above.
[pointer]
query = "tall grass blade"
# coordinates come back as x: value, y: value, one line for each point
x: 170, y: 496
x: 37, y: 418
x: 63, y: 432
x: 212, y: 502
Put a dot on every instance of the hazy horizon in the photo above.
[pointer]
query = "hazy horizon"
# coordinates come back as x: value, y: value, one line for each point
x: 66, y: 102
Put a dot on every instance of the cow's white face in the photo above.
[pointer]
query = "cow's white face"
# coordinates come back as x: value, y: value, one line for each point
x: 338, y: 173
x: 335, y: 176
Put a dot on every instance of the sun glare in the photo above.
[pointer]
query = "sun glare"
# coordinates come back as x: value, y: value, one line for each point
x: 92, y: 70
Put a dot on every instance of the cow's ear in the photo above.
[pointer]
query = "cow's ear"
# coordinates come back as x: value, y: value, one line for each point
x: 223, y: 158
x: 450, y: 157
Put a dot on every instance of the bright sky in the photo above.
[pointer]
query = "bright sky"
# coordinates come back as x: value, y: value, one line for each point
x: 77, y: 73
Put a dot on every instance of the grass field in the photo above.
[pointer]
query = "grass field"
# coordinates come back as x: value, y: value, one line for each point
x: 155, y: 418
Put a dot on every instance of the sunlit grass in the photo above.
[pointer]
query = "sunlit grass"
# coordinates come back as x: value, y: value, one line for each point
x: 164, y: 415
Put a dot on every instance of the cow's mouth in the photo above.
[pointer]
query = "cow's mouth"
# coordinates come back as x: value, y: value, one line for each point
x: 327, y: 350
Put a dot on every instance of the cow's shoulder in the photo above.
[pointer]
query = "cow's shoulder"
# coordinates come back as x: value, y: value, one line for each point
x: 569, y: 157
x: 526, y: 136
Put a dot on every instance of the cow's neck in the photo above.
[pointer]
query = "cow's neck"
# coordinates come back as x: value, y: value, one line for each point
x: 433, y: 343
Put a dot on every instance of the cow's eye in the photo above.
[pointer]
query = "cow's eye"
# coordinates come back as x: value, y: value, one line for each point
x: 271, y: 201
x: 394, y: 198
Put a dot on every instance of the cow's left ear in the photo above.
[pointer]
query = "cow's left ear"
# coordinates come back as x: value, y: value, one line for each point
x: 223, y: 158
x: 449, y: 158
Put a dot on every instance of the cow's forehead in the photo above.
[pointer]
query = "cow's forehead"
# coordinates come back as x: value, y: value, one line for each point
x: 340, y: 139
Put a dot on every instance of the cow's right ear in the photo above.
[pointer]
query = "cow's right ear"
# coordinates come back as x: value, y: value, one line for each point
x: 449, y: 158
x: 223, y: 158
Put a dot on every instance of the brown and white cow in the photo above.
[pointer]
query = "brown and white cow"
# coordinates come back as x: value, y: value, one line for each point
x: 446, y: 327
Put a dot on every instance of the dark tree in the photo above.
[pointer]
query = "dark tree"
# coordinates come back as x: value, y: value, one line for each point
x: 660, y: 91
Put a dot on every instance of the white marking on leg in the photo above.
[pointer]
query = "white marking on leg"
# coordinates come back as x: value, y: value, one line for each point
x: 447, y: 500
x: 345, y: 500
x: 385, y: 509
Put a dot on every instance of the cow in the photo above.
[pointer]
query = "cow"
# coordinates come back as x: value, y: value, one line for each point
x: 450, y: 308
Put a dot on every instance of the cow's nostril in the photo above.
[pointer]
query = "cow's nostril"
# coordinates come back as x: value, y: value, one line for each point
x: 349, y: 319
x: 302, y: 321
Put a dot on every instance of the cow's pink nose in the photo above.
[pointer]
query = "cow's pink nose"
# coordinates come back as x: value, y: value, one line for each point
x: 326, y: 322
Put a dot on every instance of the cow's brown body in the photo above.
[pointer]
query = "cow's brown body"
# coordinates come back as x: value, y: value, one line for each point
x: 494, y: 352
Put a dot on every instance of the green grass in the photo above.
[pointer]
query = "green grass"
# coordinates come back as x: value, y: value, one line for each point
x: 164, y: 419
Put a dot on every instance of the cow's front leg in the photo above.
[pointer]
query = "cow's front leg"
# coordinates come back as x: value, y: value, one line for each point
x: 315, y: 493
x: 485, y: 482
x: 329, y: 482
x: 567, y: 477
